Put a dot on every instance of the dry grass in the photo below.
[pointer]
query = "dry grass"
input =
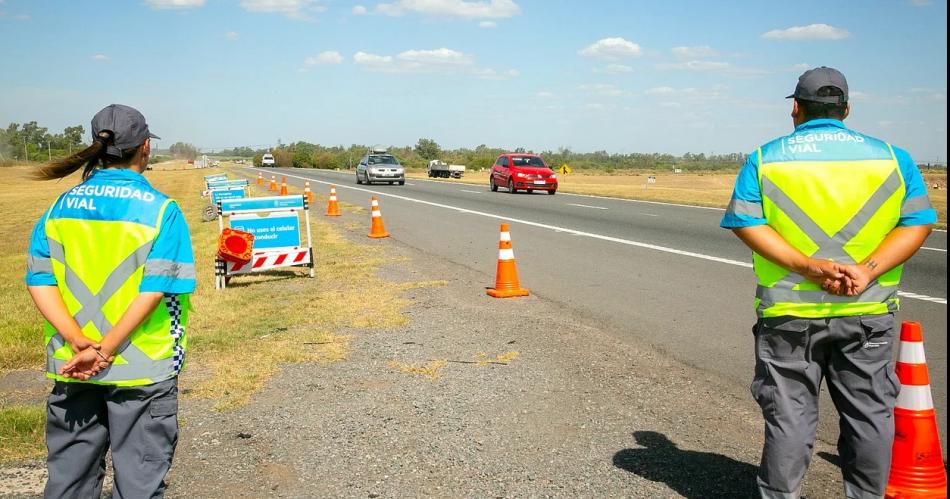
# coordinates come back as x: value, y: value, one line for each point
x: 701, y: 189
x: 430, y: 369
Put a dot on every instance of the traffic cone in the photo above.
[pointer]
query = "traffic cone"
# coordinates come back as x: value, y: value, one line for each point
x: 273, y: 184
x: 377, y: 230
x: 917, y: 468
x: 506, y: 276
x: 260, y: 178
x: 332, y: 209
x: 283, y: 186
x: 307, y: 193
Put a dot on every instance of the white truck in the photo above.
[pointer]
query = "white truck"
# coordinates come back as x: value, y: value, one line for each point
x: 439, y: 169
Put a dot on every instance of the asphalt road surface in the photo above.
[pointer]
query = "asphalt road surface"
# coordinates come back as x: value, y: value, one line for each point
x: 657, y: 273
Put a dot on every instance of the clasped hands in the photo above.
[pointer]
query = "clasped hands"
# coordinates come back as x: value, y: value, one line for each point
x: 88, y: 360
x: 836, y: 278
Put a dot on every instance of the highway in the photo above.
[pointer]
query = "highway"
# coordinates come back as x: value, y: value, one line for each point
x: 661, y: 274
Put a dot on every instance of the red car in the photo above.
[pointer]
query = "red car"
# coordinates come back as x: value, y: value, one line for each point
x: 518, y: 171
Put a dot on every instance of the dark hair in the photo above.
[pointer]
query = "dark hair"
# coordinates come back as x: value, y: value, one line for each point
x: 89, y: 159
x: 817, y: 110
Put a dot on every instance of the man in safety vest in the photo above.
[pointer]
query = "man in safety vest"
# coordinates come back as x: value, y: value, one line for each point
x: 830, y: 215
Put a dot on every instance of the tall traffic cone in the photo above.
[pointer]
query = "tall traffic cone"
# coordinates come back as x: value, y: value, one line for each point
x: 377, y: 230
x: 260, y: 178
x: 283, y: 186
x: 307, y: 193
x: 506, y: 276
x: 332, y: 209
x: 273, y: 184
x: 917, y: 468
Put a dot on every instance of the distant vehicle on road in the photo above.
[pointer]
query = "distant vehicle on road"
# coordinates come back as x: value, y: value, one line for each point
x: 439, y: 169
x: 268, y: 160
x: 518, y: 171
x: 380, y: 166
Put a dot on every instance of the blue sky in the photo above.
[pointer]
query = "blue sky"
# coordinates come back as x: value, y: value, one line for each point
x: 622, y: 76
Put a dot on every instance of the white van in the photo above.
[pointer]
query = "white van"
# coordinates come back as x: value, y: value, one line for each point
x: 268, y: 160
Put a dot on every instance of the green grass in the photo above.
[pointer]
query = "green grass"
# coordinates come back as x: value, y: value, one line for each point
x: 22, y: 432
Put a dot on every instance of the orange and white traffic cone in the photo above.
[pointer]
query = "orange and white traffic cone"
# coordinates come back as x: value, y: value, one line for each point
x: 377, y: 230
x: 273, y: 184
x: 283, y: 186
x: 917, y: 468
x: 332, y: 209
x: 506, y: 276
x: 307, y: 193
x: 260, y: 178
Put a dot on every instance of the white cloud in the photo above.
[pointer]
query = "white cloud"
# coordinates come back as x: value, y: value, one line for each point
x: 359, y: 10
x: 612, y: 49
x: 487, y: 9
x: 810, y: 32
x: 671, y: 104
x: 616, y: 69
x: 799, y: 67
x: 175, y: 4
x: 324, y: 58
x: 660, y: 91
x: 921, y: 3
x: 713, y: 67
x: 294, y: 9
x: 545, y: 95
x: 604, y: 89
x: 487, y: 24
x: 231, y: 36
x: 100, y: 57
x: 698, y: 52
x: 442, y: 60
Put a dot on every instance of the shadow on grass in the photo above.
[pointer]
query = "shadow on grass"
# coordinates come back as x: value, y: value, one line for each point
x: 261, y: 278
x: 691, y: 474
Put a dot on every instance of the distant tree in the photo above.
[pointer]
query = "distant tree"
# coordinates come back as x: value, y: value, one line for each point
x: 72, y: 137
x: 182, y: 150
x: 428, y: 149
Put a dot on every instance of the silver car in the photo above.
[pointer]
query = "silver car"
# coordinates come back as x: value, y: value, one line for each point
x: 380, y: 167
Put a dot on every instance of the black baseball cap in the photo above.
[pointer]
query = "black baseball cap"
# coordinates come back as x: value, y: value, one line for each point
x: 813, y: 79
x: 126, y: 124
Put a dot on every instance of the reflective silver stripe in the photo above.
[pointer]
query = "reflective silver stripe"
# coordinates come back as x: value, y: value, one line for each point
x: 747, y: 208
x: 830, y: 247
x: 37, y: 264
x: 169, y: 268
x: 139, y: 365
x: 92, y: 305
x: 915, y: 204
x: 56, y: 250
x: 875, y: 293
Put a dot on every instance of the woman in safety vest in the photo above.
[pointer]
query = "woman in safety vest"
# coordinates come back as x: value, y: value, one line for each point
x: 111, y: 269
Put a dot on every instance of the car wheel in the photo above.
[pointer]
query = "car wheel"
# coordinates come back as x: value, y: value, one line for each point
x: 367, y: 180
x: 359, y: 181
x: 530, y: 191
x: 491, y: 184
x: 511, y: 187
x: 552, y: 192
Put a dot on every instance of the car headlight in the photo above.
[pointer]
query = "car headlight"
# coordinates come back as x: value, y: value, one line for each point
x: 553, y: 176
x: 520, y: 175
x: 399, y: 171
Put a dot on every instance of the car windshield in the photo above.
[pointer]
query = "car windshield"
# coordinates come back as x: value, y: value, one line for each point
x: 527, y: 161
x: 383, y: 160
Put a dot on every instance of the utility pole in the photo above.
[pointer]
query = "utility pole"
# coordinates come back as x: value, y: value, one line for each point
x: 49, y: 149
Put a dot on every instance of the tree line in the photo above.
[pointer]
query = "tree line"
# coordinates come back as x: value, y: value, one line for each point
x: 308, y: 155
x: 31, y: 142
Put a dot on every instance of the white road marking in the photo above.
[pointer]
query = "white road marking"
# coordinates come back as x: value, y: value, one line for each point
x: 664, y: 249
x: 407, y: 183
x: 649, y: 215
x: 472, y: 192
x: 587, y: 206
x: 932, y: 249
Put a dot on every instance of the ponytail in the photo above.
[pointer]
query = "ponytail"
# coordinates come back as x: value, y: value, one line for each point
x: 88, y: 158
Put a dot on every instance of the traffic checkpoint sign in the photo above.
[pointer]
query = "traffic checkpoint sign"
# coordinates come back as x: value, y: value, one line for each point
x: 217, y: 177
x: 275, y: 223
x: 227, y: 193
